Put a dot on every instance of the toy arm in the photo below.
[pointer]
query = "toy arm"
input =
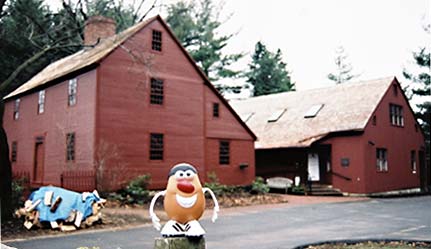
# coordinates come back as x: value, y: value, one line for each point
x: 216, y: 206
x: 154, y: 218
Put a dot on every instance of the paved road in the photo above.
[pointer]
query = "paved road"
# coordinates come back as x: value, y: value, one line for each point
x: 281, y: 226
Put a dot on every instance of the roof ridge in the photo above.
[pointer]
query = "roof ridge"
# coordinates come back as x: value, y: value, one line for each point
x: 338, y: 86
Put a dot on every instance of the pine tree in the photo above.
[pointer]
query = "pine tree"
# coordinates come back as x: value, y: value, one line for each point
x: 421, y: 86
x: 267, y: 72
x: 343, y: 67
x: 196, y: 25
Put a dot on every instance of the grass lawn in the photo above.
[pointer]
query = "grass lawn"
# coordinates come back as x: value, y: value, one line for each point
x: 372, y: 245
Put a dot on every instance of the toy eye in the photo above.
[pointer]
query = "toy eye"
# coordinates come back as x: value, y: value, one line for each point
x: 189, y: 173
x: 180, y: 174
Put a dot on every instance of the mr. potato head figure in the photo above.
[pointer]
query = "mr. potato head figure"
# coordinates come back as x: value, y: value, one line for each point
x: 184, y: 203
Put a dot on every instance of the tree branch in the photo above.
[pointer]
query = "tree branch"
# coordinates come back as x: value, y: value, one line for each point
x: 148, y: 11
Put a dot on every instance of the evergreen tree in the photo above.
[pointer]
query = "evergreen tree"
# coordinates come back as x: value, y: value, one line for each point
x: 267, y: 72
x: 421, y: 86
x: 196, y: 24
x: 343, y: 67
x: 31, y: 37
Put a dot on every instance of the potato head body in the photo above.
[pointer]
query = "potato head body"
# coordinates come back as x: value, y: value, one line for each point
x: 184, y: 203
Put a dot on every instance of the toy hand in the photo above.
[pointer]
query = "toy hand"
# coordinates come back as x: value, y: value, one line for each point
x: 156, y: 222
x: 215, y: 215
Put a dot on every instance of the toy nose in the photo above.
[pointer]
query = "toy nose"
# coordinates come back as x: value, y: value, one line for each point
x: 185, y: 186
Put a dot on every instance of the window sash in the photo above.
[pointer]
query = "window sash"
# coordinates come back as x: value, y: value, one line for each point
x: 41, y: 102
x: 224, y: 152
x: 16, y: 109
x: 156, y: 146
x: 157, y: 91
x: 70, y: 147
x: 72, y: 90
x: 413, y: 164
x: 381, y: 160
x: 396, y: 115
x: 14, y: 151
x: 216, y: 110
x: 157, y: 40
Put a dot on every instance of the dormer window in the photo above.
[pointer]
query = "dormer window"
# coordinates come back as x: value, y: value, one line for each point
x: 71, y: 91
x: 41, y: 102
x: 157, y: 40
x: 16, y: 109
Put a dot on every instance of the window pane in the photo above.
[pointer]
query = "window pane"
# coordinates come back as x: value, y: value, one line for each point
x: 157, y: 40
x: 41, y: 102
x: 156, y: 146
x: 224, y: 152
x: 16, y: 109
x: 216, y: 109
x: 72, y: 89
x: 14, y: 151
x: 70, y: 146
x: 156, y: 95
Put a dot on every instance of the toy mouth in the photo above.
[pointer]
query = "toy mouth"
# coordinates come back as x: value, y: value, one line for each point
x: 186, y: 202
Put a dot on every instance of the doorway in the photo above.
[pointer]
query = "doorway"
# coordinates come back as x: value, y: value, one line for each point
x: 39, y: 160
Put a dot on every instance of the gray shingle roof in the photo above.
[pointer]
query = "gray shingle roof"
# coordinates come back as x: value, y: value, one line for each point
x: 346, y: 107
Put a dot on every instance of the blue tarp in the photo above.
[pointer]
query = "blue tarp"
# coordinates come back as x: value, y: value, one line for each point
x: 70, y: 201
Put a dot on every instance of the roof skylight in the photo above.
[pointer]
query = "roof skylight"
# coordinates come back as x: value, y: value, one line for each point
x: 313, y: 111
x: 276, y: 115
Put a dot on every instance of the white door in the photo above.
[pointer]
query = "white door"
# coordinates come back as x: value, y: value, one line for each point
x: 313, y: 166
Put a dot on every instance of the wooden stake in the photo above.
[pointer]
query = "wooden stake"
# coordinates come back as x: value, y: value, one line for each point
x: 180, y: 243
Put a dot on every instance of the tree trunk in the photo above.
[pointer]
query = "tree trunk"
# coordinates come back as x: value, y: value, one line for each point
x: 5, y: 170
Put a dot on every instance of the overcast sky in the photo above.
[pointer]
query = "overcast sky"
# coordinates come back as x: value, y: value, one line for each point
x: 379, y: 36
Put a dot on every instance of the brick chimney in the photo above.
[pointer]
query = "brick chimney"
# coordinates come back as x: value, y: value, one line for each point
x: 98, y: 27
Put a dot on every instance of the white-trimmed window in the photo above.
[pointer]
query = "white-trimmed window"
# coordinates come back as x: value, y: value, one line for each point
x: 71, y: 91
x: 70, y: 146
x: 382, y: 159
x: 156, y: 146
x: 16, y: 109
x: 157, y: 40
x: 216, y: 110
x: 413, y: 164
x: 14, y: 151
x: 396, y: 115
x: 156, y: 94
x: 224, y: 152
x: 41, y: 102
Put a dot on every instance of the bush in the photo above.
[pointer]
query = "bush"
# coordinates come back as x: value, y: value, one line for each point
x: 259, y: 187
x: 18, y: 189
x: 217, y: 188
x: 298, y: 190
x: 136, y: 192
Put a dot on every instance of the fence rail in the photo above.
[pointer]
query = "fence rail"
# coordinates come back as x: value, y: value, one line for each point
x: 79, y: 181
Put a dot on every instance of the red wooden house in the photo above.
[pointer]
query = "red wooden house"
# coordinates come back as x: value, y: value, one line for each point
x: 357, y: 137
x: 129, y: 104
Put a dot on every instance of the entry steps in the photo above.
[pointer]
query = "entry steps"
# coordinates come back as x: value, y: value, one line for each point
x: 324, y: 190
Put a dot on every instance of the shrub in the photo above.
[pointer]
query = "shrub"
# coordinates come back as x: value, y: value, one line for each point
x: 217, y: 188
x: 298, y: 190
x: 259, y: 187
x: 136, y: 192
x: 18, y: 189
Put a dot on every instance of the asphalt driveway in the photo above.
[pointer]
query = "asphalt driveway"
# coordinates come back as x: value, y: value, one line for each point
x: 278, y: 226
